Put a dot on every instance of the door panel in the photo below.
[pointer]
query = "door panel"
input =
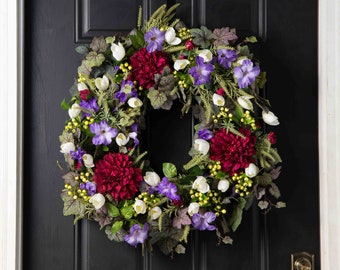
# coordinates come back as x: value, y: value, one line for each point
x: 287, y: 50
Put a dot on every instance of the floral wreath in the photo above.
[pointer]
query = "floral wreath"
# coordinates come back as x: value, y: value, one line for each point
x: 233, y: 162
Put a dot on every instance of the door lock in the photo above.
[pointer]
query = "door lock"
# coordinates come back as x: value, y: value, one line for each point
x: 302, y: 261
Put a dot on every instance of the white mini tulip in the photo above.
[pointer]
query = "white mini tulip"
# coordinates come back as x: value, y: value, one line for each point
x: 135, y: 102
x: 193, y: 208
x: 121, y: 139
x: 270, y: 118
x: 74, y: 111
x: 170, y: 37
x: 97, y: 200
x: 102, y: 83
x: 223, y: 185
x: 82, y: 86
x: 206, y: 55
x: 202, y: 146
x: 218, y: 100
x: 66, y: 148
x: 88, y: 160
x: 201, y: 184
x: 245, y: 102
x: 252, y: 170
x: 139, y: 207
x: 118, y: 51
x: 181, y: 64
x: 155, y: 212
x: 152, y: 178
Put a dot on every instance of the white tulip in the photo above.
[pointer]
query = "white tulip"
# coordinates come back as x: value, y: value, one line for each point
x: 121, y: 139
x: 74, y: 111
x: 139, y: 207
x: 102, y: 83
x: 193, y: 208
x: 201, y: 184
x: 252, y: 170
x: 202, y: 146
x: 270, y: 118
x: 118, y: 51
x: 170, y: 37
x: 66, y: 148
x: 245, y: 102
x: 152, y: 178
x: 218, y: 100
x: 97, y: 200
x: 223, y: 185
x: 155, y: 212
x: 88, y: 160
x: 206, y: 55
x: 135, y: 102
x: 181, y: 64
x: 82, y: 86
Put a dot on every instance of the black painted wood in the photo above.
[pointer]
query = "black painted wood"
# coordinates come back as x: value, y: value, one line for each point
x: 288, y: 34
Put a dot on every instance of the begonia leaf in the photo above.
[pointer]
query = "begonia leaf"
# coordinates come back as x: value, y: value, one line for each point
x: 157, y: 98
x: 98, y: 44
x: 95, y: 59
x: 72, y: 206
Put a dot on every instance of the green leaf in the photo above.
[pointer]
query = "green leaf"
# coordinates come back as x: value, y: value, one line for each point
x: 169, y: 170
x: 157, y: 98
x: 127, y: 212
x: 85, y: 68
x: 117, y: 236
x: 69, y: 178
x: 82, y: 49
x: 251, y: 39
x: 196, y: 170
x: 261, y: 79
x: 236, y: 217
x: 105, y: 148
x: 113, y: 210
x: 116, y: 226
x: 137, y: 40
x: 109, y: 40
x: 72, y: 207
x: 95, y: 59
x: 64, y: 105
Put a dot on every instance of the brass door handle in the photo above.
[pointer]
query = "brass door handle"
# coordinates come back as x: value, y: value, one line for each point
x: 302, y: 261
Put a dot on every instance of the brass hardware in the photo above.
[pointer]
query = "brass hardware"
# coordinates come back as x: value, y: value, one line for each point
x: 302, y: 261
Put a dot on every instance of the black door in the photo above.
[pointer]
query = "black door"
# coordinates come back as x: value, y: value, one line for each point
x: 288, y: 49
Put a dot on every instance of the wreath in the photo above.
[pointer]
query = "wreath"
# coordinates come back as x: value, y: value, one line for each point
x: 233, y: 163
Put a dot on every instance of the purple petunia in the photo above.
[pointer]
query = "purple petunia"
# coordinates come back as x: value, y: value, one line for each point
x: 155, y: 39
x: 201, y: 222
x: 246, y: 73
x: 137, y: 234
x: 168, y: 189
x: 126, y: 90
x: 78, y: 154
x: 201, y: 72
x: 225, y: 57
x: 205, y: 134
x: 103, y: 133
x: 90, y: 105
x: 90, y: 188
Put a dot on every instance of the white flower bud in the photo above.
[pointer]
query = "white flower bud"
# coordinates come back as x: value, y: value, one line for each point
x: 201, y: 184
x: 82, y: 86
x: 193, y: 208
x: 206, y: 55
x: 218, y: 100
x: 139, y: 207
x: 245, y: 102
x: 152, y: 178
x: 66, y: 148
x: 223, y: 185
x: 252, y: 170
x: 170, y: 37
x: 135, y: 102
x: 263, y: 204
x: 118, y: 51
x: 181, y: 64
x: 270, y: 118
x: 74, y: 111
x: 121, y: 139
x: 97, y: 200
x: 88, y: 160
x: 102, y: 83
x: 202, y: 146
x: 155, y: 212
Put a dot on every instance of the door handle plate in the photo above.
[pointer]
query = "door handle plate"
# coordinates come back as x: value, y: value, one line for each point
x: 302, y: 261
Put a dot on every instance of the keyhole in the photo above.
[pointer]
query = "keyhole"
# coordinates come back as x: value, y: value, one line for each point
x: 302, y: 264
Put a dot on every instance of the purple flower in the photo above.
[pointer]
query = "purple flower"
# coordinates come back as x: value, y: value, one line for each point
x: 168, y: 189
x: 137, y: 234
x: 103, y: 133
x: 155, y: 39
x: 205, y: 134
x: 90, y: 188
x: 201, y: 222
x: 90, y: 105
x: 126, y: 89
x: 77, y: 155
x: 246, y: 73
x: 225, y: 57
x: 201, y: 72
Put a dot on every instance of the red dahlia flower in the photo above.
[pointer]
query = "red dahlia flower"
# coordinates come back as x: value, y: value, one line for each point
x: 234, y: 152
x: 145, y: 65
x: 115, y: 175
